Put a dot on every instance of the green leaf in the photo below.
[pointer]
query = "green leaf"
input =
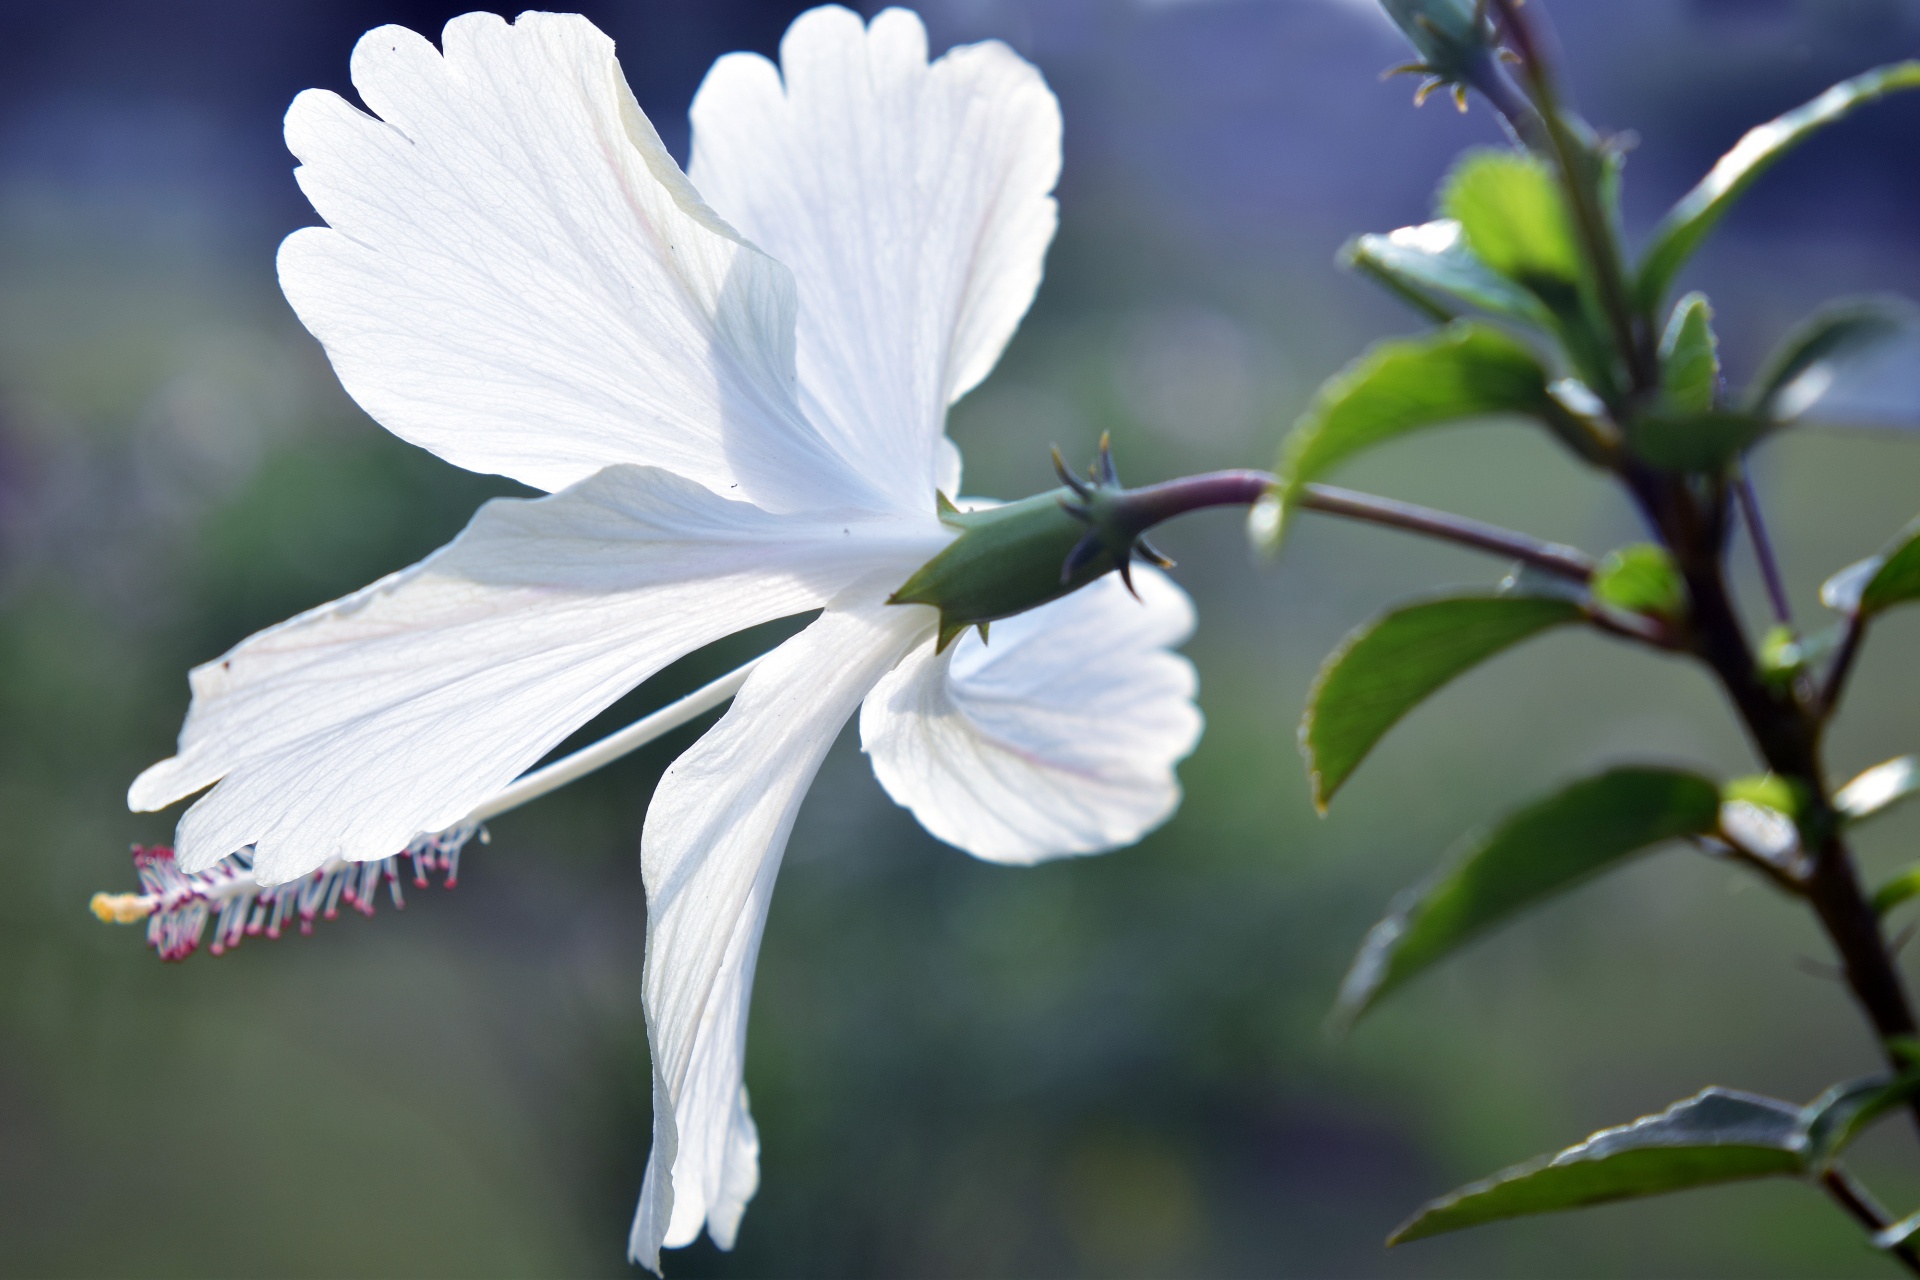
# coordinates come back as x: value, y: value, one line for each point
x: 1833, y: 1120
x: 1514, y: 217
x: 1640, y: 578
x: 1780, y: 657
x: 1700, y: 210
x: 1905, y: 1050
x: 1690, y: 357
x: 1897, y: 579
x: 1430, y: 267
x: 1899, y: 1233
x: 1785, y: 654
x: 1719, y: 1135
x: 1770, y: 791
x: 1902, y: 888
x: 1879, y: 582
x: 1464, y: 371
x: 1841, y: 592
x: 1704, y: 442
x: 1803, y: 365
x: 1386, y: 668
x: 1767, y: 814
x: 1878, y: 789
x: 1540, y: 851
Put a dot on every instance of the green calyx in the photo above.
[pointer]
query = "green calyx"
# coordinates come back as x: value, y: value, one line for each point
x: 1015, y: 557
x: 1454, y: 39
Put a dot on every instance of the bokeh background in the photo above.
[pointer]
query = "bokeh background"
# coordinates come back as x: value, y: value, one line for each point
x: 1112, y: 1066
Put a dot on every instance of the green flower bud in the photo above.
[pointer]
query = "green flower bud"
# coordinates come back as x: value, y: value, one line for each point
x: 1016, y: 557
x: 1439, y: 29
x: 1007, y: 559
x: 1454, y: 39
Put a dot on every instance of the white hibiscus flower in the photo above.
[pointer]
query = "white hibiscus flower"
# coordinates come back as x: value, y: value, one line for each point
x: 734, y: 390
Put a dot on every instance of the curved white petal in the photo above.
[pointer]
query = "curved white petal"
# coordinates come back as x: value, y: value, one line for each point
x: 714, y: 836
x: 1058, y: 736
x: 516, y: 275
x: 360, y: 724
x: 912, y: 203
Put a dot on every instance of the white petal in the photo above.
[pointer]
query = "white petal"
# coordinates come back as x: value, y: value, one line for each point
x: 912, y: 203
x: 516, y: 276
x: 358, y: 725
x: 715, y: 832
x: 1058, y: 736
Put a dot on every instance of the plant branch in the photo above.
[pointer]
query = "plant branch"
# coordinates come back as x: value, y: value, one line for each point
x: 1786, y: 734
x: 1551, y: 557
x: 1859, y: 1202
x: 1843, y: 660
x: 1762, y: 545
x: 1788, y: 880
x: 1141, y: 509
x: 1487, y: 75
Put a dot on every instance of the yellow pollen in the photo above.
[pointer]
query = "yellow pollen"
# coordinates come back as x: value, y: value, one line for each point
x: 121, y: 908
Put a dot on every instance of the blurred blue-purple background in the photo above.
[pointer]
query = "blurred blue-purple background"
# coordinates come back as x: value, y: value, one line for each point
x: 1112, y: 1066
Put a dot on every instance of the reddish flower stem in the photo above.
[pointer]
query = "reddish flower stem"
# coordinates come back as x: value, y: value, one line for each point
x: 1143, y: 508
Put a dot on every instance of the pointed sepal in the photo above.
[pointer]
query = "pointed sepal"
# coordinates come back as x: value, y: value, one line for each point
x: 1015, y: 557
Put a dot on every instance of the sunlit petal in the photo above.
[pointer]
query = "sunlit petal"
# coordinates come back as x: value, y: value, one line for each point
x: 516, y: 275
x: 714, y: 837
x: 358, y: 725
x: 1058, y: 736
x: 911, y: 201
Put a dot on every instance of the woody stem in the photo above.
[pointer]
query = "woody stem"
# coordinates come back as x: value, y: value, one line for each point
x: 1143, y: 508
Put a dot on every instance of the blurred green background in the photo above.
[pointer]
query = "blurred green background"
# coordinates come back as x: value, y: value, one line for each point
x: 1110, y: 1066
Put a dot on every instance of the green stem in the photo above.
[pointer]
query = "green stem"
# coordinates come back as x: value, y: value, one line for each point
x: 1633, y: 340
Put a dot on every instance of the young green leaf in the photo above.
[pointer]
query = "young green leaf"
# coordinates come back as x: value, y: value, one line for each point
x: 1785, y: 653
x: 1431, y: 268
x: 1702, y: 442
x: 1878, y: 789
x: 1904, y: 887
x: 1763, y: 813
x: 1514, y: 218
x: 1536, y: 853
x: 1389, y: 666
x: 1899, y: 1233
x: 1641, y: 578
x: 1779, y: 656
x: 1701, y: 209
x: 1897, y: 579
x: 1881, y: 581
x: 1718, y: 1135
x: 1464, y: 371
x: 1841, y: 592
x: 1690, y: 357
x: 1804, y: 364
x: 1769, y: 791
x: 1832, y: 1121
x: 1511, y: 211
